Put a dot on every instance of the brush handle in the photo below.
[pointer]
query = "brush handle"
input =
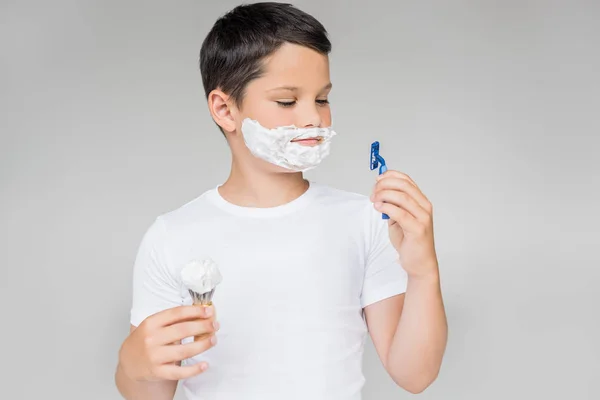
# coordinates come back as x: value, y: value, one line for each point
x: 382, y: 169
x: 203, y: 336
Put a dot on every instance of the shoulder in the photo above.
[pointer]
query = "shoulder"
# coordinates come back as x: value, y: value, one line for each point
x: 348, y: 203
x: 181, y: 219
x: 329, y: 194
x: 354, y: 206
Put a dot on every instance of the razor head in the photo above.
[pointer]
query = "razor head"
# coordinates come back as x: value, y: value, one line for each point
x: 374, y: 155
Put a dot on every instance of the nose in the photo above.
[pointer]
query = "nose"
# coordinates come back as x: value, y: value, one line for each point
x: 309, y: 116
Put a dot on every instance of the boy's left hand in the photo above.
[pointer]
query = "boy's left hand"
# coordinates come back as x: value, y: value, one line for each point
x: 410, y: 223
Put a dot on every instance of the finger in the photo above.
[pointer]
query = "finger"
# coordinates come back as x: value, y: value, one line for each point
x: 402, y: 200
x: 179, y: 352
x: 406, y: 220
x: 178, y: 314
x: 390, y: 173
x: 182, y: 330
x: 175, y: 372
x: 403, y: 186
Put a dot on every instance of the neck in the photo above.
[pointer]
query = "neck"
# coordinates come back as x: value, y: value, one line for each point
x: 250, y: 188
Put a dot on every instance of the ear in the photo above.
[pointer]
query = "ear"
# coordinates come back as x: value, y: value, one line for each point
x: 222, y: 110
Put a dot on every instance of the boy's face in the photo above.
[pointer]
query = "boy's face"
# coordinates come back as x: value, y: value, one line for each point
x: 292, y: 91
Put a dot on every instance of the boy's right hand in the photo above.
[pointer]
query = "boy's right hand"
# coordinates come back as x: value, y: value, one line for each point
x: 152, y: 351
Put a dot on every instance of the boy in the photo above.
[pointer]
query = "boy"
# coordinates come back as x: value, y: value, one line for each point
x: 307, y: 270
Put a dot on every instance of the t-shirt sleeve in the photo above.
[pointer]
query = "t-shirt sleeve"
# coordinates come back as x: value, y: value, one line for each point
x: 154, y: 287
x: 384, y: 276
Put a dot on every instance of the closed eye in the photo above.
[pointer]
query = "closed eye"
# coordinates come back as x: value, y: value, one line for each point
x: 286, y: 103
x: 322, y: 102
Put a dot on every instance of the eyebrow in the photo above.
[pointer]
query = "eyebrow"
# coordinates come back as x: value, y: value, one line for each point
x: 295, y: 88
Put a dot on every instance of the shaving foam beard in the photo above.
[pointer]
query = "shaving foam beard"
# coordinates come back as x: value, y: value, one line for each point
x: 276, y: 147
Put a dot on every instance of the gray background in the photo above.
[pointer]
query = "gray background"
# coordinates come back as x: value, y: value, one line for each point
x: 492, y: 107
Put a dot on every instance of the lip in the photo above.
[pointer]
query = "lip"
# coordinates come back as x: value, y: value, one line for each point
x: 313, y: 141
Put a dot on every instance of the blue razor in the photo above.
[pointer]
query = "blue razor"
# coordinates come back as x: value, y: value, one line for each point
x: 378, y: 161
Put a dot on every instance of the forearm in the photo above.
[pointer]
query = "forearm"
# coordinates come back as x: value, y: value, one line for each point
x: 419, y: 343
x: 143, y: 390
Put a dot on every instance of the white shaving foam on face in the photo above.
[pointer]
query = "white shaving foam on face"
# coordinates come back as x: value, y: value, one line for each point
x: 276, y: 146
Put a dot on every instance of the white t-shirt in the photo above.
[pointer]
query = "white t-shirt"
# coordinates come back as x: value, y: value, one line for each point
x: 295, y: 280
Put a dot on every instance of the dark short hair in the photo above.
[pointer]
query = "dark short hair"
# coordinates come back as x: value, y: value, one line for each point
x: 233, y: 51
